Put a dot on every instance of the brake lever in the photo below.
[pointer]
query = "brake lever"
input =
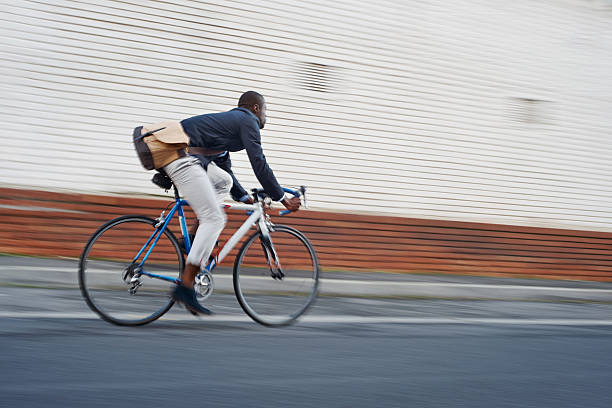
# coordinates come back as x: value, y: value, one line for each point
x: 303, y: 194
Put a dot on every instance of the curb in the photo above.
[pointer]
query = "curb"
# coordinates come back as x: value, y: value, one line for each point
x: 46, y: 273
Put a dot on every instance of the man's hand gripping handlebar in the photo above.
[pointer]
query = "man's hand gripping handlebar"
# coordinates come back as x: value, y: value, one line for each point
x: 291, y: 204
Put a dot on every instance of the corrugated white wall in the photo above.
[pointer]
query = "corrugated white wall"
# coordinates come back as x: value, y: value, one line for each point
x: 480, y: 110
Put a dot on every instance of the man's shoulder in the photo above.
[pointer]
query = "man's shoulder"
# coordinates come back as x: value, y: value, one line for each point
x: 246, y: 119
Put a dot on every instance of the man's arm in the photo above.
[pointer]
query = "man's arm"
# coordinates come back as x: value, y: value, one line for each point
x: 238, y: 192
x: 251, y: 139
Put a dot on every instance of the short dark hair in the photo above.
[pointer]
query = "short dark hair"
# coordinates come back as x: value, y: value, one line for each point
x: 250, y: 98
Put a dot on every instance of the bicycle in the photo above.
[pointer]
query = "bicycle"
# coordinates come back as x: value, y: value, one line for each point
x: 128, y: 283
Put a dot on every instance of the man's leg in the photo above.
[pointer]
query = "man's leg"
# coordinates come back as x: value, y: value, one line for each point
x: 222, y: 184
x: 195, y: 186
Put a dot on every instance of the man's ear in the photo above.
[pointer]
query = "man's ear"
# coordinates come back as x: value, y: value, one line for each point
x: 256, y: 108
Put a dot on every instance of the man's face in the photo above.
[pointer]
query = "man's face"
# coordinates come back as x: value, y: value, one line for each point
x: 261, y: 115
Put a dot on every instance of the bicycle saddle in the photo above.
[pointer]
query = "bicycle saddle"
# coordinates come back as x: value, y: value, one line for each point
x: 162, y: 180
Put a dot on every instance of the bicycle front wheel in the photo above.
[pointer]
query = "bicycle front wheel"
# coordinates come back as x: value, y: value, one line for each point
x: 266, y: 298
x: 108, y: 273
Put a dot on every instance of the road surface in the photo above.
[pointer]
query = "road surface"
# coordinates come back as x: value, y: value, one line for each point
x: 348, y: 352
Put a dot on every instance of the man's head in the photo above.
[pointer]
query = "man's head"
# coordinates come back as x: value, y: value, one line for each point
x: 256, y: 103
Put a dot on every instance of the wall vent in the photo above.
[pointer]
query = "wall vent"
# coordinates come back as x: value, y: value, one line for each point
x: 530, y: 110
x: 317, y: 77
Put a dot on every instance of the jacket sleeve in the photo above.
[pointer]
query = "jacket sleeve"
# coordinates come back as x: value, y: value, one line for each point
x: 238, y: 192
x: 251, y: 139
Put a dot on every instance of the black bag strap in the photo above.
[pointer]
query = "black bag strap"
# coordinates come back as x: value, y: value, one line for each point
x: 149, y: 133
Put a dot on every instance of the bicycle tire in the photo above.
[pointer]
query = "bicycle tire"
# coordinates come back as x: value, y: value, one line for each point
x: 104, y: 260
x: 262, y: 297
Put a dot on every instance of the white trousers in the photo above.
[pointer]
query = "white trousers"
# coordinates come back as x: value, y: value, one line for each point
x: 204, y: 190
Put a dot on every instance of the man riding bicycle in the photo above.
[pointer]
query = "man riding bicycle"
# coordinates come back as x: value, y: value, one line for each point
x: 211, y: 138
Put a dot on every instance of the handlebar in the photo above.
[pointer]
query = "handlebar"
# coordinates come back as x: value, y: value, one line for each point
x: 300, y: 192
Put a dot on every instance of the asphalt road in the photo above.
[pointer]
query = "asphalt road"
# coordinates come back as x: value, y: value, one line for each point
x: 348, y: 352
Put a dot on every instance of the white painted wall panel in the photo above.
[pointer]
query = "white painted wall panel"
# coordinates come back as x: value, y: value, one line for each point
x: 463, y: 109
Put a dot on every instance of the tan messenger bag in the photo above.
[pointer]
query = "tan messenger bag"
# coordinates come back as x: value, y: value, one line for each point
x: 160, y: 144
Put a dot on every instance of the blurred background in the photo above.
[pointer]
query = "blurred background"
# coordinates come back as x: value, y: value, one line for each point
x: 462, y: 144
x: 459, y: 136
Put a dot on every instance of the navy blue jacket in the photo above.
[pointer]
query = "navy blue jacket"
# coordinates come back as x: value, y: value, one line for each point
x: 234, y: 130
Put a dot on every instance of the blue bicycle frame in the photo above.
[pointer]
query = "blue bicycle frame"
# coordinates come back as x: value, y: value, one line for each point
x: 178, y: 206
x: 164, y: 220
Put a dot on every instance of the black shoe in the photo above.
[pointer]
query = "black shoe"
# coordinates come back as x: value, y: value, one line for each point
x: 187, y: 297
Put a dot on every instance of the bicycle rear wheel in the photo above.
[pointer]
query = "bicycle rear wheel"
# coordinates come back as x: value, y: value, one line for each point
x: 270, y: 301
x: 108, y: 275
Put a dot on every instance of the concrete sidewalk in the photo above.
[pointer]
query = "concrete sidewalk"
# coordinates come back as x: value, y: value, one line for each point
x: 62, y: 273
